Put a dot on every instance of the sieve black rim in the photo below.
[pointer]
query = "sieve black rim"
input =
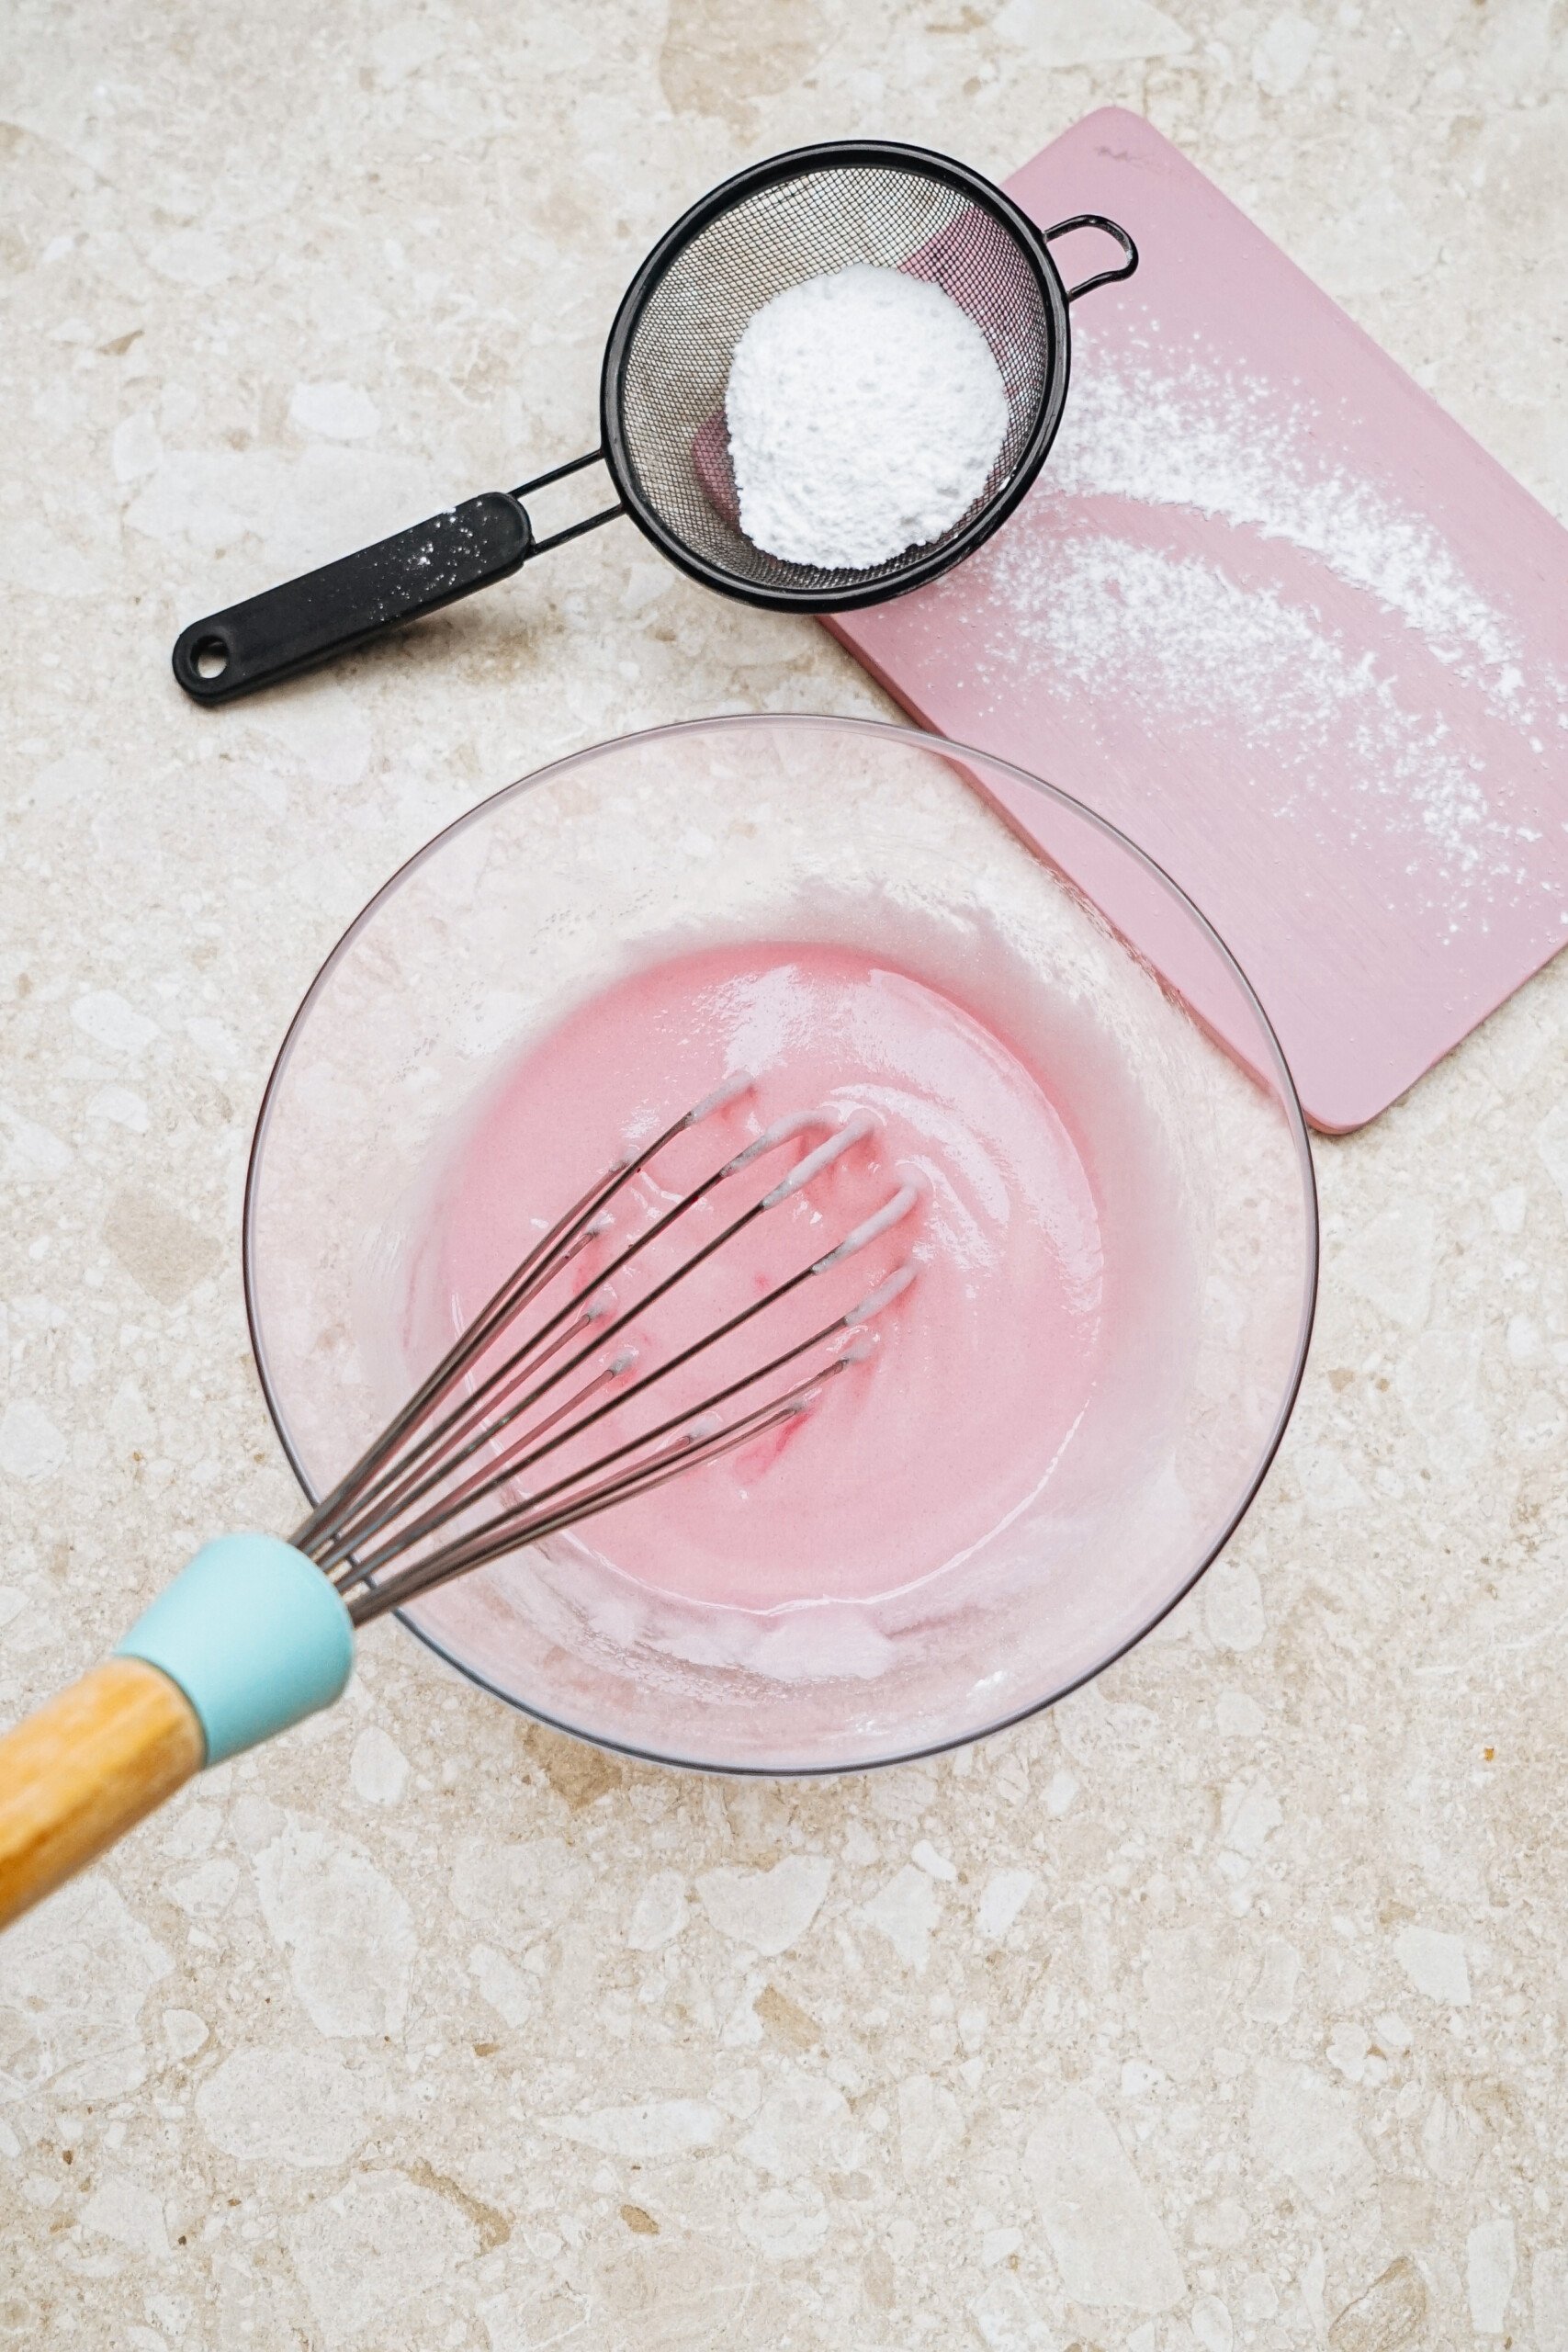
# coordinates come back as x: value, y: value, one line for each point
x: 798, y: 163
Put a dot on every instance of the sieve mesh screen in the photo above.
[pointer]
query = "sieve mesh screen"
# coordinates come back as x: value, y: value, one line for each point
x: 677, y: 355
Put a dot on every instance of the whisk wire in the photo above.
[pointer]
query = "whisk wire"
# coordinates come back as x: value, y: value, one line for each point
x: 574, y: 1229
x: 525, y: 1524
x: 523, y: 1283
x: 469, y: 1491
x: 854, y: 1130
x: 513, y: 1467
x: 360, y: 1529
x: 423, y: 1473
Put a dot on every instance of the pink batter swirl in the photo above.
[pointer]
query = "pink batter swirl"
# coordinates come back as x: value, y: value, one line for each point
x: 983, y: 1364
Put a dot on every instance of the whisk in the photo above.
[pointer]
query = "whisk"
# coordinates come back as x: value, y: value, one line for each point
x: 542, y: 1412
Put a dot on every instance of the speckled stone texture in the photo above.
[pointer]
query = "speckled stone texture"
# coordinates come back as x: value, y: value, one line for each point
x: 1226, y: 2006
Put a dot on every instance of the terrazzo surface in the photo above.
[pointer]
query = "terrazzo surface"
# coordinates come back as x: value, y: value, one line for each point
x: 1226, y: 2006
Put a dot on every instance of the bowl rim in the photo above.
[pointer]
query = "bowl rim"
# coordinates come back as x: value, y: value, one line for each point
x: 944, y: 748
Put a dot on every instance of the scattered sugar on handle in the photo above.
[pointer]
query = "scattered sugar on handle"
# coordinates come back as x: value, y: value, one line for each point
x: 865, y: 412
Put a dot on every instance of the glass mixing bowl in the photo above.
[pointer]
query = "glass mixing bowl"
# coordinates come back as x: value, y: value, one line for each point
x: 896, y: 843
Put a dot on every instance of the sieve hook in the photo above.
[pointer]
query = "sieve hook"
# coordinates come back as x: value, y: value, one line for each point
x: 1111, y: 229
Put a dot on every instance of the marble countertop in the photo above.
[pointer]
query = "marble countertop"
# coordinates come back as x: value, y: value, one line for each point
x: 1226, y: 2006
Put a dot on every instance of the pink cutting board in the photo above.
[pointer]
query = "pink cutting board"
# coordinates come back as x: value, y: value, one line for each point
x: 1274, y: 615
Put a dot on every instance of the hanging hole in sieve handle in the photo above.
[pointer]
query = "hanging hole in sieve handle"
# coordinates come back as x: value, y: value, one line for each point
x: 324, y: 613
x: 1105, y: 277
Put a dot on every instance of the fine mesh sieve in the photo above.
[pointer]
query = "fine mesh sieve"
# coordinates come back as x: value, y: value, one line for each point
x: 796, y: 218
x: 664, y: 443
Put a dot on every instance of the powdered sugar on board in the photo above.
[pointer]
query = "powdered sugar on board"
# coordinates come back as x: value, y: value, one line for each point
x: 1169, y: 428
x: 1340, y: 745
x: 1276, y: 616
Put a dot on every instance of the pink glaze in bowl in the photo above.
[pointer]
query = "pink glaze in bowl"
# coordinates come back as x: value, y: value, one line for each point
x: 838, y: 835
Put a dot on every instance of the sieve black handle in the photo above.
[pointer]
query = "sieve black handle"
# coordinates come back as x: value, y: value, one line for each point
x: 308, y: 620
x: 1106, y: 277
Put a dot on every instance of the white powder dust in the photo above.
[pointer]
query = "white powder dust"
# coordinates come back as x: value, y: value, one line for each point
x: 865, y: 413
x: 1085, y: 595
x: 1179, y: 637
x: 1179, y: 432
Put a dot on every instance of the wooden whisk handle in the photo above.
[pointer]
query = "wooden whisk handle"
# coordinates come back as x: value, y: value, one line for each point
x: 84, y: 1770
x: 250, y: 1638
